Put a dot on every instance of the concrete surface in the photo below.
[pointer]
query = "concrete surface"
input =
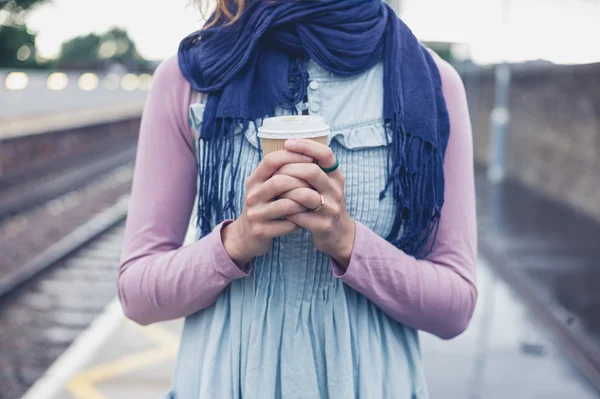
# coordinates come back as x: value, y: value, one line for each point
x: 503, y: 355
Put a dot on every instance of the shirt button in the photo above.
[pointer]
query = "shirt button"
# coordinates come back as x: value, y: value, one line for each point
x: 313, y: 85
x: 314, y: 107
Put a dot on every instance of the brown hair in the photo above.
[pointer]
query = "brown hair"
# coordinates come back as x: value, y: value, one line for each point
x: 230, y: 10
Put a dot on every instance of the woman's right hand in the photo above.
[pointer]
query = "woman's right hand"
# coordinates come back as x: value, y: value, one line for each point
x: 252, y: 233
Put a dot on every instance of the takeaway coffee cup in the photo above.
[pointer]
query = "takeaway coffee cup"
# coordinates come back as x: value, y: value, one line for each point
x: 275, y: 131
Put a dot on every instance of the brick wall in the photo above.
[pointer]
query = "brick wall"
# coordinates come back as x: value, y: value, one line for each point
x: 553, y: 142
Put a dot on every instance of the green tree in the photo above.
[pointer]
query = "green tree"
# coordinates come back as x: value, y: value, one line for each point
x: 94, y: 51
x: 17, y: 44
x: 12, y: 12
x: 17, y: 47
x: 80, y: 52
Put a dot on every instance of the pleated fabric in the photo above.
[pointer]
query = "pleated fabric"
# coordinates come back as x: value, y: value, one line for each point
x: 292, y: 329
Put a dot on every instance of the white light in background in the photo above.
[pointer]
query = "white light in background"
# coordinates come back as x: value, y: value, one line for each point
x: 40, y: 59
x: 88, y: 81
x: 130, y: 82
x: 140, y: 18
x: 111, y: 81
x: 122, y: 46
x: 531, y: 32
x: 23, y: 53
x: 4, y: 16
x: 461, y: 52
x: 107, y: 49
x: 57, y: 81
x: 145, y: 82
x: 16, y: 81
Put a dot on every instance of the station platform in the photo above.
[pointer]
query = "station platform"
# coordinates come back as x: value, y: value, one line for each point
x: 42, y: 123
x: 504, y: 354
x: 538, y: 261
x: 113, y: 359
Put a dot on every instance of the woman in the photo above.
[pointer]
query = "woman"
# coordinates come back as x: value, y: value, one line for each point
x: 314, y: 267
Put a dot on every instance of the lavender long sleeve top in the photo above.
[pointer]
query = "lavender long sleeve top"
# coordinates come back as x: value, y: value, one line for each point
x: 159, y: 279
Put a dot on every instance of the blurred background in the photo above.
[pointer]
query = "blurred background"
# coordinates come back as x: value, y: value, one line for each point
x: 73, y: 79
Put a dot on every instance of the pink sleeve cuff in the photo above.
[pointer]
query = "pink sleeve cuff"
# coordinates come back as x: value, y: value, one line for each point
x: 223, y: 262
x: 358, y: 251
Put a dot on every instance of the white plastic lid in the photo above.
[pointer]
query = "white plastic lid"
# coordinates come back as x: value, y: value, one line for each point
x: 293, y: 126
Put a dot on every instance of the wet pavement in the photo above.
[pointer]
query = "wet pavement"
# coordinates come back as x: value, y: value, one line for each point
x: 504, y: 354
x: 550, y: 255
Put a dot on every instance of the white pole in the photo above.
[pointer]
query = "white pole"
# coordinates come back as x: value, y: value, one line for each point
x: 500, y: 117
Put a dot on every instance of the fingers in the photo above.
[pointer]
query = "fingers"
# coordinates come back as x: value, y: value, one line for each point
x: 320, y: 152
x: 273, y: 161
x: 274, y: 187
x: 307, y: 197
x: 317, y: 224
x: 275, y: 228
x: 275, y: 209
x: 310, y: 173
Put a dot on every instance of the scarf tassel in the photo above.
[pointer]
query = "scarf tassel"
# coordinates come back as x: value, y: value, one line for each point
x: 217, y: 161
x: 220, y: 157
x: 413, y: 190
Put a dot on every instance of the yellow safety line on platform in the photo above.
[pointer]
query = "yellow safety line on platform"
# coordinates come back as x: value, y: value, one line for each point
x: 82, y: 386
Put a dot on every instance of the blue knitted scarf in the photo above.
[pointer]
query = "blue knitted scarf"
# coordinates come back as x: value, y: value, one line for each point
x: 256, y: 64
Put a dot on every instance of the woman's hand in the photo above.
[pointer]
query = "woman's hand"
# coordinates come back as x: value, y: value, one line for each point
x: 332, y: 228
x: 252, y: 233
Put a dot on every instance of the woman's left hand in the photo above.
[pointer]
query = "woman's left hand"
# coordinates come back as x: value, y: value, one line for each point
x: 332, y: 228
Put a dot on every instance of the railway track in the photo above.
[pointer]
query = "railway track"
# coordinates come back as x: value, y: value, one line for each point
x: 59, y: 294
x: 35, y: 187
x: 46, y: 205
x: 61, y: 223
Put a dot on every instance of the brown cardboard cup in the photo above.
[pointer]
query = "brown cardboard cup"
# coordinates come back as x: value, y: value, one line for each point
x: 271, y: 145
x: 275, y: 131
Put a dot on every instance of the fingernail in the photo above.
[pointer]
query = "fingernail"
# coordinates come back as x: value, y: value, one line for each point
x: 307, y: 158
x: 291, y: 143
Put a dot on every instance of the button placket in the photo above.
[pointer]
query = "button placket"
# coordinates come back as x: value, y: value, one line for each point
x: 313, y: 97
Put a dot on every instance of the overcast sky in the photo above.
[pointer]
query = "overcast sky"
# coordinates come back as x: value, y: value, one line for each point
x: 561, y: 31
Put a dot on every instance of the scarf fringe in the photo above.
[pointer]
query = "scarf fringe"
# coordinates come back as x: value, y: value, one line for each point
x: 418, y: 221
x: 218, y: 155
x: 415, y: 213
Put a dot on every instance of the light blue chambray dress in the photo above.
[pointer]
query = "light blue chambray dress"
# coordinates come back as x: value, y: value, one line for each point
x: 291, y: 329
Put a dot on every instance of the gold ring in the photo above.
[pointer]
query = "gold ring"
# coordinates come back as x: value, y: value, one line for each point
x: 320, y: 206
